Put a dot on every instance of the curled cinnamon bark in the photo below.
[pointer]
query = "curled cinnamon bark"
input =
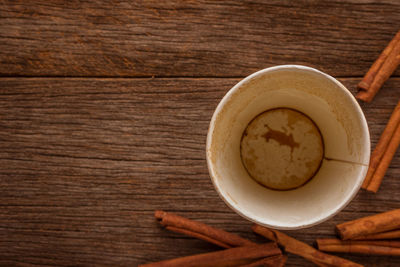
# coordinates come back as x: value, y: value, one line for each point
x: 380, y: 71
x: 382, y: 146
x: 385, y: 235
x: 301, y: 249
x: 200, y: 230
x: 385, y: 161
x: 378, y: 223
x: 360, y: 247
x: 228, y: 257
x: 273, y: 261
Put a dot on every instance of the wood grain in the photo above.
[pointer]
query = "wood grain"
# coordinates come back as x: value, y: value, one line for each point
x: 85, y: 162
x: 191, y: 38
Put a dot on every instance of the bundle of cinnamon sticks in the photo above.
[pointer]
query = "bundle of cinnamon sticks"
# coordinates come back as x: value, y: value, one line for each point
x: 372, y: 235
x: 380, y: 71
x: 384, y: 151
x: 240, y: 251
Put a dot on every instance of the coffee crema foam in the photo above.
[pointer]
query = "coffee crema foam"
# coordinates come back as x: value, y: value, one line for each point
x: 282, y: 149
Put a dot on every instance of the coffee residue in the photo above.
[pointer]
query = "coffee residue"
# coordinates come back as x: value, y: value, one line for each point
x: 282, y: 138
x: 265, y: 154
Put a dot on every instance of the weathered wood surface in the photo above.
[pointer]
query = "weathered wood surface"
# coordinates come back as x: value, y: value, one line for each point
x: 85, y: 162
x: 191, y: 38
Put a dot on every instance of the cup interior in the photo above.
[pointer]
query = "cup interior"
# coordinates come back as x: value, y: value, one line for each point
x: 346, y: 146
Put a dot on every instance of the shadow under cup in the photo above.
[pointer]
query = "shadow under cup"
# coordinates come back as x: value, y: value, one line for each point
x: 346, y: 146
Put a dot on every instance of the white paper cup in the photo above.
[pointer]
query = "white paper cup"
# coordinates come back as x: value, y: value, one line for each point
x: 346, y: 146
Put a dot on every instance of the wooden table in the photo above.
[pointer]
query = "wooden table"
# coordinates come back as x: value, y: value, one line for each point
x: 105, y: 105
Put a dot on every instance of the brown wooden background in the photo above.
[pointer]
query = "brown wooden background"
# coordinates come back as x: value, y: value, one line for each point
x: 105, y: 105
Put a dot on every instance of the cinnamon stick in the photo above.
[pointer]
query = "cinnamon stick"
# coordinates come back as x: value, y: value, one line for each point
x: 386, y: 235
x: 360, y: 247
x: 321, y: 242
x: 227, y: 257
x: 200, y: 230
x: 380, y: 71
x: 363, y: 249
x: 385, y: 161
x: 378, y: 223
x: 301, y: 249
x: 273, y: 261
x: 382, y: 145
x: 370, y: 75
